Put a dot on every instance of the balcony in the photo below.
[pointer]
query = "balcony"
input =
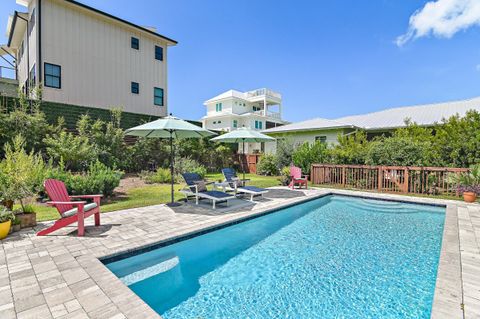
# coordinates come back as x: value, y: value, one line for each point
x: 256, y: 95
x: 275, y: 115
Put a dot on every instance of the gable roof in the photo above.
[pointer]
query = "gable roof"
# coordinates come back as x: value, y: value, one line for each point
x: 226, y: 95
x: 309, y: 125
x: 425, y: 115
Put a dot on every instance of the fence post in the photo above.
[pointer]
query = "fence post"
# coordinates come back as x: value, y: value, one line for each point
x: 380, y: 178
x: 312, y: 175
x: 405, y: 180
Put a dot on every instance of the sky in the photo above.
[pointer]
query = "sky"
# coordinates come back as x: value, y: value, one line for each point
x: 328, y: 58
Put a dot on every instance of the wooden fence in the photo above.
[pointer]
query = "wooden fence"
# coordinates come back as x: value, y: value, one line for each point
x: 390, y: 179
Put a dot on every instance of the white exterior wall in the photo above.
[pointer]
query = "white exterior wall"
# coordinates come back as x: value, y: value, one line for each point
x: 22, y: 66
x: 97, y: 61
x: 299, y: 138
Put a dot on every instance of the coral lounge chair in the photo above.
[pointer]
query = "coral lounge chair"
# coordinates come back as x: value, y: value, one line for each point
x: 297, y: 177
x: 70, y: 211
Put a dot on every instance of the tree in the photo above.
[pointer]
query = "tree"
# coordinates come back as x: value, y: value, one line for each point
x: 351, y: 149
x: 21, y: 173
x: 74, y: 151
x: 457, y: 140
x: 307, y: 154
x: 25, y: 119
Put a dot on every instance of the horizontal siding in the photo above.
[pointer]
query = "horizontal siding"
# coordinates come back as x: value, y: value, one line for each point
x: 97, y: 61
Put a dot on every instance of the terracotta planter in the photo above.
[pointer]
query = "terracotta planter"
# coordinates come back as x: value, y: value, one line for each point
x: 469, y: 197
x: 27, y: 219
x: 5, y: 229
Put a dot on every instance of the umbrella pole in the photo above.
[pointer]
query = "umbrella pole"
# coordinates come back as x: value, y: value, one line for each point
x: 171, y: 165
x: 243, y: 167
x: 172, y: 173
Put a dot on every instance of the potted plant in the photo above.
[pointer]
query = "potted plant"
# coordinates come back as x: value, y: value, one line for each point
x: 16, y: 224
x: 469, y: 184
x: 21, y: 177
x: 6, y: 218
x: 27, y: 216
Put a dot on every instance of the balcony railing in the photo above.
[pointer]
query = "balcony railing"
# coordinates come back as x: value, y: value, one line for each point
x: 269, y: 114
x: 7, y: 72
x: 261, y: 92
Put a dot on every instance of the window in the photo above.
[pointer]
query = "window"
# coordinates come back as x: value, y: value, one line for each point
x: 135, y: 43
x: 32, y: 78
x: 218, y: 107
x: 258, y: 125
x: 235, y: 123
x: 256, y: 108
x: 158, y: 96
x: 135, y: 88
x: 53, y: 74
x: 321, y: 139
x: 159, y: 53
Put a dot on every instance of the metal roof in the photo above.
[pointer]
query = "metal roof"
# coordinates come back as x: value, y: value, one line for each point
x: 425, y: 115
x: 309, y: 125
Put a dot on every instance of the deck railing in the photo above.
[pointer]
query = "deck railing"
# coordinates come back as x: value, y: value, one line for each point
x: 389, y: 179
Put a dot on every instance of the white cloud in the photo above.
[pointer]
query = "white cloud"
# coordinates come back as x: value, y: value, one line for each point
x: 442, y: 18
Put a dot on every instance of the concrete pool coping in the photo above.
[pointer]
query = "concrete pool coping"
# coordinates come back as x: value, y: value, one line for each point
x: 61, y: 276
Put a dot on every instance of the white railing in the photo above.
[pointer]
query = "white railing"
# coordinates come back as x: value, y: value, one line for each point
x: 268, y: 114
x: 261, y: 92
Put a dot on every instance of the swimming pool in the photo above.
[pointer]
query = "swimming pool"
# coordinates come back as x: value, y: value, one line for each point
x: 333, y: 257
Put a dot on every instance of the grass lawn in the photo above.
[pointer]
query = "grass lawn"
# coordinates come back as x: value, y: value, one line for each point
x: 150, y: 195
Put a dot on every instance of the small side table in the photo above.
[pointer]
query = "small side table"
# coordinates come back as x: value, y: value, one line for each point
x: 222, y: 185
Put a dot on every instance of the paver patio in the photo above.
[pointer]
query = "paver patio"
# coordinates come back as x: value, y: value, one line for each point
x: 60, y: 276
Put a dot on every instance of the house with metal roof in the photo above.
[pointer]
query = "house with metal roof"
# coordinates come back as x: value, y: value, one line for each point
x: 327, y: 130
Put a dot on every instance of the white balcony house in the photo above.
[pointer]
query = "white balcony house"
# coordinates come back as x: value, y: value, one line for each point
x: 259, y: 109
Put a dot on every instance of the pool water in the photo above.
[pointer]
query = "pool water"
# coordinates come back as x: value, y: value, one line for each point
x: 333, y: 257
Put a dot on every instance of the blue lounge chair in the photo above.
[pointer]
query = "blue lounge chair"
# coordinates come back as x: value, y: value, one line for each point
x: 238, y: 185
x: 196, y: 187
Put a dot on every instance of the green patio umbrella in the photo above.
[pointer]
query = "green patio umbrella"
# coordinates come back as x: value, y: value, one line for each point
x: 243, y: 135
x: 172, y: 128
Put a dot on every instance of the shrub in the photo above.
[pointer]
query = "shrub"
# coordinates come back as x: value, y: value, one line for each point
x: 284, y: 153
x: 25, y: 119
x: 351, y: 149
x: 6, y: 215
x: 162, y: 175
x: 307, y: 154
x: 267, y: 165
x: 99, y: 179
x: 186, y: 164
x: 398, y: 151
x: 21, y: 173
x: 285, y: 176
x: 75, y: 151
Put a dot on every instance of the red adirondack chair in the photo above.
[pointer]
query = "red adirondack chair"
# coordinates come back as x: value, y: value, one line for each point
x: 297, y: 177
x: 70, y: 211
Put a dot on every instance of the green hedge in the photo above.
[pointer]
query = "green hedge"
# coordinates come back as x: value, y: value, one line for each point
x: 71, y: 113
